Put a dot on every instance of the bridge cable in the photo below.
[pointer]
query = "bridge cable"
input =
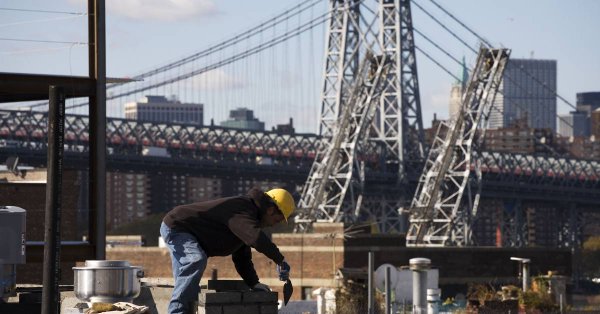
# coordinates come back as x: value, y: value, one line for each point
x: 506, y: 76
x: 289, y: 13
x: 487, y: 43
x: 244, y: 54
x: 500, y: 111
x: 460, y: 80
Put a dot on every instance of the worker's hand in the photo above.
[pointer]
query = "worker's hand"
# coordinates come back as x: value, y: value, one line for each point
x: 261, y: 287
x: 284, y: 271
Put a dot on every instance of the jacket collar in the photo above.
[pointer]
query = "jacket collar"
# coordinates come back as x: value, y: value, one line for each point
x: 260, y: 199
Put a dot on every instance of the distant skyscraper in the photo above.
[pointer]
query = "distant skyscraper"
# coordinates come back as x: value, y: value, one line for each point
x: 588, y: 102
x: 457, y: 90
x: 527, y: 90
x: 243, y: 118
x: 161, y: 109
x: 576, y: 123
x: 455, y: 99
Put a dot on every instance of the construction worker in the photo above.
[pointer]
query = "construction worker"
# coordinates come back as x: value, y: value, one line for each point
x: 221, y: 227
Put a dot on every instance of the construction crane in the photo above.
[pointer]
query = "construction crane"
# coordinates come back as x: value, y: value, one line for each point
x: 336, y: 173
x: 440, y: 214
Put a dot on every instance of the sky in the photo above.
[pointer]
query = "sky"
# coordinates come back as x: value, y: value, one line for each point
x: 144, y: 34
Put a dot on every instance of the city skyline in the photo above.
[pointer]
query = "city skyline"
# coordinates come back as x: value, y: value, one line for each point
x: 141, y: 38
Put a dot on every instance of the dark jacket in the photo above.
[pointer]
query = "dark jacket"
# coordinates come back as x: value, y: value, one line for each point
x: 228, y: 226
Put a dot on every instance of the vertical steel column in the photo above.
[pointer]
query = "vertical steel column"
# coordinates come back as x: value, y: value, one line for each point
x: 56, y: 136
x: 97, y: 71
x: 524, y: 271
x: 389, y: 122
x: 388, y: 291
x: 341, y: 64
x: 413, y: 136
x: 525, y: 275
x: 419, y: 266
x: 371, y: 286
x: 400, y: 125
x: 401, y: 120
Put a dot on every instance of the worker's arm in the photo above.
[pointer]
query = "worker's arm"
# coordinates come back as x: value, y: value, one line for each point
x: 242, y: 259
x: 246, y: 228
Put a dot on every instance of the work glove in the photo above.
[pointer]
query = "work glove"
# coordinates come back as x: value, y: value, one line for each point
x: 284, y: 271
x: 261, y: 287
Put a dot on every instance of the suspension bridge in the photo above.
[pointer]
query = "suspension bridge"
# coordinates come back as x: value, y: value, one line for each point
x: 387, y: 157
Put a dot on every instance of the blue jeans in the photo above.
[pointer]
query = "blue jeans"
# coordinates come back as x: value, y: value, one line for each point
x: 189, y: 261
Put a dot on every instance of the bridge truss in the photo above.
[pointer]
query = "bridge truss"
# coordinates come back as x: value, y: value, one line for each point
x: 393, y: 153
x: 507, y: 179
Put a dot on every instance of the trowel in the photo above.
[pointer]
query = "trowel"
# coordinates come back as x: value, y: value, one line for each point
x: 287, y: 291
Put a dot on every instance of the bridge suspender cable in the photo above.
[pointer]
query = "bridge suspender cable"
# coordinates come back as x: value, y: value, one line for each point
x: 472, y: 49
x: 276, y: 20
x: 488, y: 44
x: 256, y: 49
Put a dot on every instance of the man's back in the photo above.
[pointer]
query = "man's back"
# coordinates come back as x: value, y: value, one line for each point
x: 212, y: 223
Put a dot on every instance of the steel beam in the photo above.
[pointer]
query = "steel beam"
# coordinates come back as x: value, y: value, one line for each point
x: 26, y: 87
x: 56, y: 133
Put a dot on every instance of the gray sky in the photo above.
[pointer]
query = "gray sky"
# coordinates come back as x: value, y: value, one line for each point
x: 143, y: 34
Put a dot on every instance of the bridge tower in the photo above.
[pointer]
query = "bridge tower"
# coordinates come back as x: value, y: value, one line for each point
x: 395, y: 132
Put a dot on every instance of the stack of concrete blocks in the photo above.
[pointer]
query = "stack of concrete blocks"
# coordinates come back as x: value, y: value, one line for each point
x: 233, y: 296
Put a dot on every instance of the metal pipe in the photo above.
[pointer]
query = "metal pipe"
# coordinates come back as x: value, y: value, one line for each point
x: 524, y: 264
x: 433, y: 301
x: 51, y: 268
x: 371, y: 299
x: 525, y: 275
x: 97, y: 71
x: 388, y: 290
x: 419, y: 266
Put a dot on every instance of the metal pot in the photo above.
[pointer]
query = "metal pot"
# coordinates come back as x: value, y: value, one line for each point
x: 107, y: 281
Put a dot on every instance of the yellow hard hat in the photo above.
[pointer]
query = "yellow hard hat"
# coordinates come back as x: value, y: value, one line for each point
x: 284, y: 201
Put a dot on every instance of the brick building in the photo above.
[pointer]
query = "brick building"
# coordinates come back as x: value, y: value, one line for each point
x: 317, y: 260
x: 595, y: 123
x: 29, y: 193
x: 583, y: 147
x: 127, y: 198
x: 161, y: 109
x: 519, y: 138
x: 132, y: 197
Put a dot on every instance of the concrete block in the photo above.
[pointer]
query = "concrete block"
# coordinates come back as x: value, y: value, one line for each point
x: 30, y: 297
x: 208, y: 298
x: 237, y: 309
x: 20, y: 308
x: 268, y: 308
x: 227, y: 285
x: 259, y: 297
x: 211, y: 309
